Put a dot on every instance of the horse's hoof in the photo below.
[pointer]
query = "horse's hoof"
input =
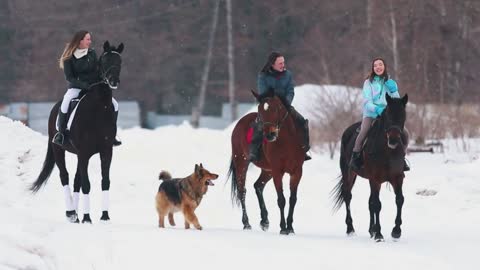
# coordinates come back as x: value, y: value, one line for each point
x: 379, y: 238
x: 71, y: 216
x: 287, y: 231
x: 264, y: 226
x: 247, y: 227
x: 396, y: 233
x: 351, y: 234
x: 105, y: 216
x: 372, y: 233
x: 86, y: 219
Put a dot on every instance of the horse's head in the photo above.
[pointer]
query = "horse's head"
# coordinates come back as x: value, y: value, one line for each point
x: 110, y: 64
x: 272, y: 113
x: 394, y: 118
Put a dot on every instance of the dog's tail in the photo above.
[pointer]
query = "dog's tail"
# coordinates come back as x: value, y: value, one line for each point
x: 164, y: 175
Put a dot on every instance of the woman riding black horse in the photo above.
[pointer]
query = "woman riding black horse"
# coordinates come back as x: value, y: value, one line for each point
x: 92, y: 131
x: 80, y: 65
x: 377, y: 85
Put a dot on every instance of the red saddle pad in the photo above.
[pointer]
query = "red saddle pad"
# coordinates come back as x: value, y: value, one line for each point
x: 250, y: 136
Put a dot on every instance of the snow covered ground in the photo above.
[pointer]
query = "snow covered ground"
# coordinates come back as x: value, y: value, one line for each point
x: 439, y: 231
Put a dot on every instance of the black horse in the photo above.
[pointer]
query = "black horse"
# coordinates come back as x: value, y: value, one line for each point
x: 383, y: 155
x: 92, y: 131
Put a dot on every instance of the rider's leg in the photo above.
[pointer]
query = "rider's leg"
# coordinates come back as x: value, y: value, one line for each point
x: 257, y: 140
x: 302, y: 123
x: 62, y: 115
x: 405, y: 139
x: 116, y: 141
x: 355, y: 161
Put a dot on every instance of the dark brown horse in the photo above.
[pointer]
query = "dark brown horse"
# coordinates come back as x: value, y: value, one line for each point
x: 282, y: 153
x: 92, y: 131
x: 383, y: 156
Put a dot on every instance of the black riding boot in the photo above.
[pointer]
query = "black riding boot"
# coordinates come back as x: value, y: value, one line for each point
x: 255, y: 145
x: 115, y: 141
x: 301, y: 122
x: 406, y: 168
x: 59, y: 137
x: 356, y: 161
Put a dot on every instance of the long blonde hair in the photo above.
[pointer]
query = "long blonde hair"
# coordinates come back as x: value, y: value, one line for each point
x: 72, y: 46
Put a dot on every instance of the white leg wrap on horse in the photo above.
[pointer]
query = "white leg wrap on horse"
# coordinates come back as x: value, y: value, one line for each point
x: 76, y: 198
x: 68, y: 198
x: 86, y: 203
x: 105, y: 200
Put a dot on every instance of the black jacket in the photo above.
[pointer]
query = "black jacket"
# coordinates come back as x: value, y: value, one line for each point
x: 81, y: 73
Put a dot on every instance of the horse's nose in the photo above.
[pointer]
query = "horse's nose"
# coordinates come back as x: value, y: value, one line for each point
x: 393, y: 142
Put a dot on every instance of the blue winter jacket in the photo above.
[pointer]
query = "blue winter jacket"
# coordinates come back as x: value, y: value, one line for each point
x: 281, y: 82
x: 374, y: 100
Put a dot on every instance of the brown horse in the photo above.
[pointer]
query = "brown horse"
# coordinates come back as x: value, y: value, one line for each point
x: 281, y: 153
x: 383, y: 156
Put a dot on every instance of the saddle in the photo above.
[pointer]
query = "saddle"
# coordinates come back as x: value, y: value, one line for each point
x: 72, y: 107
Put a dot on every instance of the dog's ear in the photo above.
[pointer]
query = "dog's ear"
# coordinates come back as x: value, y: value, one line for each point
x: 197, y: 170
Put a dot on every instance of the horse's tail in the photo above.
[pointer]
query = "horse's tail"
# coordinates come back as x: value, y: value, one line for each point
x: 337, y: 194
x: 338, y: 191
x: 234, y: 190
x: 47, y: 169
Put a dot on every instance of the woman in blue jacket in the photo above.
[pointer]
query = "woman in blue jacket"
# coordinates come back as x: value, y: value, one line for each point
x: 274, y: 76
x: 375, y: 87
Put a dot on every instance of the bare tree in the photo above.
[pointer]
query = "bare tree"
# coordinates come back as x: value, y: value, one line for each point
x: 231, y: 71
x: 336, y: 108
x: 393, y: 38
x: 197, y: 111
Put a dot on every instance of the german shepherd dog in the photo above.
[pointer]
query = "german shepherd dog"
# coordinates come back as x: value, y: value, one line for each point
x: 183, y: 194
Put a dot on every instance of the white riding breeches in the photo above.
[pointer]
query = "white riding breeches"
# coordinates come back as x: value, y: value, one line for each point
x: 115, y: 104
x: 73, y: 93
x: 69, y: 95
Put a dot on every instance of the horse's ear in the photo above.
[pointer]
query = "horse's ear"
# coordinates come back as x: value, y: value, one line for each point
x: 201, y: 165
x: 270, y: 92
x: 389, y: 99
x: 106, y: 46
x: 405, y: 99
x: 120, y: 48
x: 255, y: 94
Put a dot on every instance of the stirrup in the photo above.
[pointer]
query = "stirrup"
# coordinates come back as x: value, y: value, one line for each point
x: 58, y: 138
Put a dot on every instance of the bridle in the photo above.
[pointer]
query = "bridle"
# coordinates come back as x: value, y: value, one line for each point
x: 278, y: 124
x: 104, y: 73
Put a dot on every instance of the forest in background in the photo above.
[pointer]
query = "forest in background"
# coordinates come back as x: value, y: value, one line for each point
x: 432, y: 47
